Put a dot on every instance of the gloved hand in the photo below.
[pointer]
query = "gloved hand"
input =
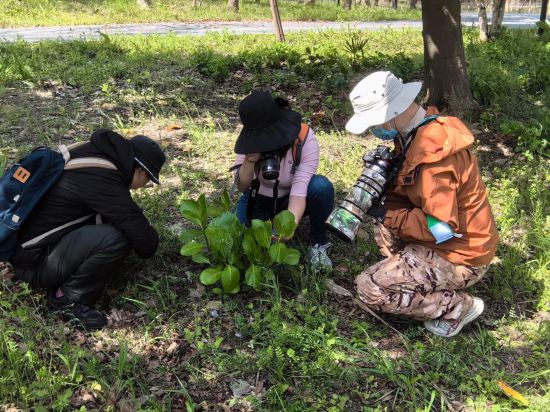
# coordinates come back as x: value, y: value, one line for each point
x: 378, y: 212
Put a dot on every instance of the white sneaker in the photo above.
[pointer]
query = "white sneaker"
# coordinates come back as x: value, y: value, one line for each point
x: 318, y: 257
x: 442, y: 327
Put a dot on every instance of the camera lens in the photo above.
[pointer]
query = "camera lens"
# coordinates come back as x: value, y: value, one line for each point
x: 346, y: 218
x: 269, y: 166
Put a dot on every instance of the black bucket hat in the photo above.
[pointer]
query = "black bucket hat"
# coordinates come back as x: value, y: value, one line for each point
x: 266, y: 125
x: 149, y: 155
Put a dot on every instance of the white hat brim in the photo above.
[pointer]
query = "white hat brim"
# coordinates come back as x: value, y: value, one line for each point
x: 360, y: 122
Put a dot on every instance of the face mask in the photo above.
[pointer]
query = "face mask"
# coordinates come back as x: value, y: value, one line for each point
x: 384, y: 134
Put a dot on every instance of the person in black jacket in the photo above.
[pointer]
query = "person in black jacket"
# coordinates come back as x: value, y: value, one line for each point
x: 75, y: 261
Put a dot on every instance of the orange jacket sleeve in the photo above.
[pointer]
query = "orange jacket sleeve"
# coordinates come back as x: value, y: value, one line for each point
x: 435, y: 193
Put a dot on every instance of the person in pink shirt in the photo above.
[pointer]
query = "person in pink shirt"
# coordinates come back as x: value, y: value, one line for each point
x: 272, y: 178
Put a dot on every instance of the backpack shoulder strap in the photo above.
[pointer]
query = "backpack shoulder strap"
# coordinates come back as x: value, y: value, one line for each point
x: 298, y: 145
x: 83, y: 162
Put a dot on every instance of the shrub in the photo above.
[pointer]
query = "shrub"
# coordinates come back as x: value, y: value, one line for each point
x: 230, y: 248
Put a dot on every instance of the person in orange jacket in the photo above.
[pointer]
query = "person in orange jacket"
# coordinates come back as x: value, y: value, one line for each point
x: 436, y: 227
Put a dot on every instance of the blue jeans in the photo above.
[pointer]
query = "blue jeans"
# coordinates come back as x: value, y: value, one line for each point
x: 319, y: 203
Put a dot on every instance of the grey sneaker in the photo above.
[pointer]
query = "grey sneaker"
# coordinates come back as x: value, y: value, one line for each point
x: 318, y: 257
x: 442, y: 327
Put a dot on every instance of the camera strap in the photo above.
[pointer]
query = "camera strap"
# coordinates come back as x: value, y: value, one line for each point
x: 275, y: 196
x: 254, y: 188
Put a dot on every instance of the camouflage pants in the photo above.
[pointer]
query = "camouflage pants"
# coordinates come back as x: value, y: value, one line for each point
x: 415, y: 281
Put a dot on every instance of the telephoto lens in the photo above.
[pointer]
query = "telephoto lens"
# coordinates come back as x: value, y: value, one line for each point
x: 346, y: 218
x: 269, y: 166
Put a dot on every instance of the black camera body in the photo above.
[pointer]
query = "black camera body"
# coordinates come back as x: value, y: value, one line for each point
x: 269, y: 165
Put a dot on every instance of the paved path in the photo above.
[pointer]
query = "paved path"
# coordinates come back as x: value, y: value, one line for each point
x: 33, y: 34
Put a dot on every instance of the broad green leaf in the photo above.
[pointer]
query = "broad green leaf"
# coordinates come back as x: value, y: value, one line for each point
x: 191, y: 248
x: 217, y: 291
x: 214, y: 210
x: 220, y: 242
x: 199, y: 258
x: 285, y: 224
x: 251, y: 248
x: 224, y: 237
x: 262, y: 232
x: 211, y: 275
x: 225, y: 200
x: 203, y: 214
x: 277, y: 251
x: 253, y: 276
x: 187, y: 235
x: 191, y: 210
x: 231, y: 279
x: 291, y: 256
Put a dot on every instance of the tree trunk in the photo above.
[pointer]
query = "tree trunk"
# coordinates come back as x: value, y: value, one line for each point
x: 279, y: 34
x: 413, y: 3
x: 143, y: 4
x: 445, y: 77
x: 233, y: 5
x: 498, y: 16
x: 483, y: 25
x: 394, y: 3
x: 376, y: 3
x: 309, y: 2
x: 543, y: 12
x: 347, y: 4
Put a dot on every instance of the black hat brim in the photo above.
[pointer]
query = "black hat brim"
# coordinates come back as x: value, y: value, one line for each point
x: 278, y: 134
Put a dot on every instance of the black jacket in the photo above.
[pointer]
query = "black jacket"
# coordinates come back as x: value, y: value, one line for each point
x: 87, y: 191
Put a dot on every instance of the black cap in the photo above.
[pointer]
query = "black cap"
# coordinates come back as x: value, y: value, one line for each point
x: 149, y: 155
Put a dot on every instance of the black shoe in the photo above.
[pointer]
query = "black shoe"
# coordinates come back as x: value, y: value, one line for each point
x: 78, y: 313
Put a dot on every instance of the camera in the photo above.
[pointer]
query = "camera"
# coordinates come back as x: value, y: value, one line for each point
x: 269, y: 165
x: 380, y: 169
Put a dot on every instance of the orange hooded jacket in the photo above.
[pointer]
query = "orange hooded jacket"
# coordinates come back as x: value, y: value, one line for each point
x: 440, y: 177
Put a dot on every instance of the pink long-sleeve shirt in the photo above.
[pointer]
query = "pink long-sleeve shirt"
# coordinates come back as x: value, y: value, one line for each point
x: 294, y: 184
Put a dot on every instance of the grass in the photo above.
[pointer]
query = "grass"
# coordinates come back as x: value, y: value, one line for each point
x: 171, y: 344
x: 20, y: 13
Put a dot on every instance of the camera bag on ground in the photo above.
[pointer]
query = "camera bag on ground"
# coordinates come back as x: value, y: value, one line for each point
x: 25, y: 183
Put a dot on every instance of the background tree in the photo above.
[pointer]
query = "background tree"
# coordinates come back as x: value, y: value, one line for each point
x: 543, y: 12
x: 394, y: 3
x: 483, y: 24
x: 413, y: 3
x: 233, y: 5
x: 347, y: 4
x: 498, y: 16
x: 309, y: 2
x: 445, y: 77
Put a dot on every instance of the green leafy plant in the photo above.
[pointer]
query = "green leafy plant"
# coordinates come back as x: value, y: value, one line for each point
x: 532, y: 138
x: 231, y: 249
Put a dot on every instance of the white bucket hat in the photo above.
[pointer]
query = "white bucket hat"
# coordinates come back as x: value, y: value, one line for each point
x: 379, y: 97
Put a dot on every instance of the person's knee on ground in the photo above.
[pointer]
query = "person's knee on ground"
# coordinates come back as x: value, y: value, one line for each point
x: 88, y: 281
x: 419, y: 284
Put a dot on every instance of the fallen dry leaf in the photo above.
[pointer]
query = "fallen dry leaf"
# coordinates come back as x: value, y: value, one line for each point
x: 172, y: 348
x: 512, y: 393
x: 171, y: 127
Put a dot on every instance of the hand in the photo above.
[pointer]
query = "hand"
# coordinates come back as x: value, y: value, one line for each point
x: 252, y: 157
x: 378, y: 212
